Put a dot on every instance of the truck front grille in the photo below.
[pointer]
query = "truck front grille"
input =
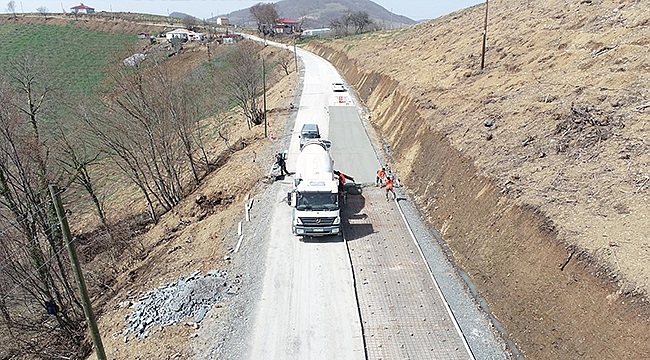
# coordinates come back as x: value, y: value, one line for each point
x: 316, y: 221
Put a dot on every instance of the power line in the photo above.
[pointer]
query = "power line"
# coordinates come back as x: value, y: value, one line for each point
x: 6, y: 296
x: 47, y: 262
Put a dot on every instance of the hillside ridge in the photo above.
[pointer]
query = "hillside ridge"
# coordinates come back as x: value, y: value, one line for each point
x: 320, y: 13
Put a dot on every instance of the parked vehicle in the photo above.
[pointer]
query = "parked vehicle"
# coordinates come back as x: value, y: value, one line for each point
x: 308, y: 132
x: 338, y: 87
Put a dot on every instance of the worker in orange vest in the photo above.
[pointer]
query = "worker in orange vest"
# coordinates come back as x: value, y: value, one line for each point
x: 380, y: 176
x: 389, y: 187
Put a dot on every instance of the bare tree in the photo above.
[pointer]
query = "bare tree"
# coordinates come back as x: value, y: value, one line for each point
x: 150, y: 129
x: 285, y: 61
x: 32, y: 243
x: 339, y: 27
x: 11, y: 8
x: 189, y: 22
x: 360, y: 20
x: 266, y: 15
x: 43, y: 11
x: 243, y: 80
x: 357, y: 21
x: 77, y: 158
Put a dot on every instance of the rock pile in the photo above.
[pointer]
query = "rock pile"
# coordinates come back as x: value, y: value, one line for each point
x: 189, y: 296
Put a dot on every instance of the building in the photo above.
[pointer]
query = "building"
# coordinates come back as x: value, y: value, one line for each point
x: 222, y: 21
x: 287, y: 26
x: 82, y: 9
x: 229, y: 39
x: 185, y: 35
x: 316, y: 32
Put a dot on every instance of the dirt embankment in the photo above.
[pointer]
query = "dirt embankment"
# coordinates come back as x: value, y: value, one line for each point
x: 533, y: 169
x: 121, y: 23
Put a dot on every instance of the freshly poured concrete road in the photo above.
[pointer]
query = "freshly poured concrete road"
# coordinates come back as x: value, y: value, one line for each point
x: 308, y: 307
x: 311, y: 307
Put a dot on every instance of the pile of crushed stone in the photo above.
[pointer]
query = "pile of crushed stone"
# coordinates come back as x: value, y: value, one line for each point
x: 189, y: 296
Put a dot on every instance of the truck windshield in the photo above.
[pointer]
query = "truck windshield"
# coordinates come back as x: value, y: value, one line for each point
x: 317, y: 201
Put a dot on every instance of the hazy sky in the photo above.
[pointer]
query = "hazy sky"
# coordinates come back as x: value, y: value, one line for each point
x: 203, y: 9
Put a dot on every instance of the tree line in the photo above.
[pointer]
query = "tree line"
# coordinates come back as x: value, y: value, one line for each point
x: 150, y: 124
x: 356, y: 22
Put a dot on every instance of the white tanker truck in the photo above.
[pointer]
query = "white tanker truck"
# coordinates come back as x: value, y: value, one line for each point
x: 315, y: 195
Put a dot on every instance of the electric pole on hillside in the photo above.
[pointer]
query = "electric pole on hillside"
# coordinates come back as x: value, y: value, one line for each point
x: 295, y: 54
x: 484, y: 35
x: 76, y: 268
x: 264, y: 84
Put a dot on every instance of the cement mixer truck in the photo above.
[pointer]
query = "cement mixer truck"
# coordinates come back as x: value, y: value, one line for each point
x: 315, y: 195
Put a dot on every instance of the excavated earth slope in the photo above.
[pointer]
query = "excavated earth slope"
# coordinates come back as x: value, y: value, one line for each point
x: 535, y: 169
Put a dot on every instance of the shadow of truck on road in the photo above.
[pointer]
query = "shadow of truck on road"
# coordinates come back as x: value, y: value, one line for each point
x: 354, y: 220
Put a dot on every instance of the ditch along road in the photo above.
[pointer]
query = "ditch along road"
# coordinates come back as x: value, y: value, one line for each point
x: 371, y: 293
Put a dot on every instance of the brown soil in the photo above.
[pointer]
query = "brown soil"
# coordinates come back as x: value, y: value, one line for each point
x: 546, y: 208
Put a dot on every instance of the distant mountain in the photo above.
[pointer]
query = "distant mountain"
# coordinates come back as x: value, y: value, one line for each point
x: 320, y: 13
x: 180, y: 15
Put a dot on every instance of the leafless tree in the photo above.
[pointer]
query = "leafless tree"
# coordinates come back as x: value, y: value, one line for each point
x: 77, y: 158
x: 285, y: 60
x: 11, y: 8
x: 360, y: 20
x: 43, y: 11
x: 151, y: 130
x: 189, y: 22
x: 357, y: 21
x: 244, y: 81
x: 266, y: 16
x: 31, y: 243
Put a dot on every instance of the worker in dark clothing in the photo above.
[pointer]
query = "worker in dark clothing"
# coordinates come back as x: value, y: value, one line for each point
x: 280, y: 159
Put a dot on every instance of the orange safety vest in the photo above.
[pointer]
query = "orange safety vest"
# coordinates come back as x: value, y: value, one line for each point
x: 342, y: 178
x: 381, y: 173
x: 389, y: 184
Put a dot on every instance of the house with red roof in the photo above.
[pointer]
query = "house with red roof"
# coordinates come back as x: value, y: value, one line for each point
x: 82, y: 9
x: 286, y: 26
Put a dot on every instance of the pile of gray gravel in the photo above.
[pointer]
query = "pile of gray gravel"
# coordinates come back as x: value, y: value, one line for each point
x: 189, y: 296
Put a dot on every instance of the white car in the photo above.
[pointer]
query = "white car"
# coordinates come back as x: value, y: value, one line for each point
x: 338, y: 87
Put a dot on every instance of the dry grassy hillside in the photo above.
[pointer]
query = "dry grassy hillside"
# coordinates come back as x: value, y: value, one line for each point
x: 566, y: 86
x: 535, y: 170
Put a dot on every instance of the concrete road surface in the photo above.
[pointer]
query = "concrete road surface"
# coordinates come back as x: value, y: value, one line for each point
x: 308, y: 308
x: 351, y: 148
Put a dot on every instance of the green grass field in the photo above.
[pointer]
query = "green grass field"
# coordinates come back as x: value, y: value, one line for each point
x: 74, y: 58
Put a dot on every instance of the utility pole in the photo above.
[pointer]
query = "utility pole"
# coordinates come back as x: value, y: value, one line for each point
x: 484, y: 35
x: 76, y: 268
x: 295, y: 54
x: 264, y: 84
